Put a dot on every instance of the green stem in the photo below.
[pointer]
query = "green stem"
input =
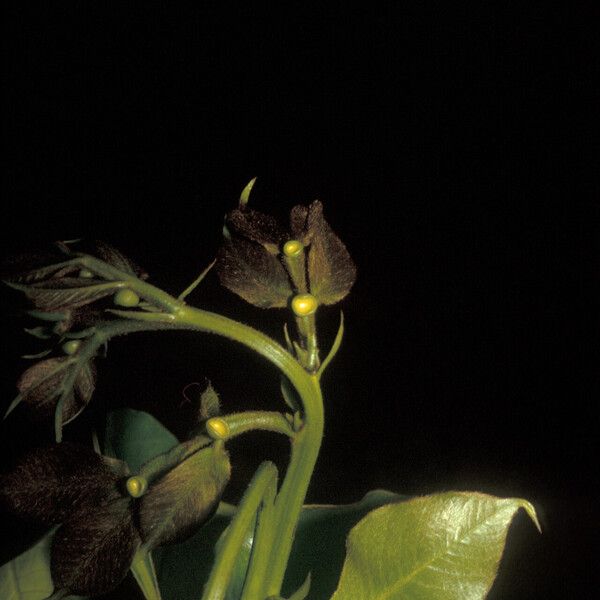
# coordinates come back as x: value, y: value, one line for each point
x: 244, y: 422
x: 264, y: 478
x: 144, y: 572
x: 289, y: 502
x: 255, y: 584
x: 305, y: 445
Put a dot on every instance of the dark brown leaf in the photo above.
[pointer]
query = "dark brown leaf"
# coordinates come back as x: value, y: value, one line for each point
x: 117, y: 259
x: 331, y: 271
x: 257, y: 227
x: 93, y: 550
x: 178, y: 503
x: 67, y: 293
x: 245, y: 268
x: 46, y: 381
x: 48, y: 484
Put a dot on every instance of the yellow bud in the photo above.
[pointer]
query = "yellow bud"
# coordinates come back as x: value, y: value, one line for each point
x: 292, y: 248
x: 218, y: 429
x: 86, y: 274
x: 71, y: 346
x: 304, y: 305
x: 136, y: 486
x: 126, y: 298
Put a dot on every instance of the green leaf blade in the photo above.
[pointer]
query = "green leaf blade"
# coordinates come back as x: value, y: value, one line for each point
x: 440, y: 547
x: 27, y: 577
x: 136, y: 437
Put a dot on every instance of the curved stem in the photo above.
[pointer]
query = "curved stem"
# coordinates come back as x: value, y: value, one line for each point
x: 305, y: 444
x: 243, y: 422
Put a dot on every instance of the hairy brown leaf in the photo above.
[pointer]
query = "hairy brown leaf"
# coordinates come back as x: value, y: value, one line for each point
x: 48, y: 484
x: 93, y: 550
x: 178, y: 503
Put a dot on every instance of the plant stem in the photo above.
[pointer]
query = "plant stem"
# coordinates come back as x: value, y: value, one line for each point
x: 252, y: 420
x: 305, y: 444
x: 288, y: 505
x: 264, y: 478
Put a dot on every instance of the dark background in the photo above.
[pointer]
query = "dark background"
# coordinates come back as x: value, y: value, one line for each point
x: 451, y: 148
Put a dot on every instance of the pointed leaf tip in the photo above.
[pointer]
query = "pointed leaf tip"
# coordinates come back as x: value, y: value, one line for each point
x: 245, y: 195
x: 448, y: 544
x: 531, y: 512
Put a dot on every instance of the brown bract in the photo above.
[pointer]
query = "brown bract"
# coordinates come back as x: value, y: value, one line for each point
x: 250, y: 263
x: 42, y: 384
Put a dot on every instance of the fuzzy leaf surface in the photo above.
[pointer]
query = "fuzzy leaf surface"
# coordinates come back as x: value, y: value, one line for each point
x: 44, y: 383
x: 68, y: 292
x: 176, y: 505
x: 439, y: 547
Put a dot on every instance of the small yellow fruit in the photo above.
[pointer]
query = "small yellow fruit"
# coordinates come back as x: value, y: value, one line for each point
x: 304, y: 305
x: 71, y: 346
x: 136, y: 486
x: 126, y: 298
x: 218, y: 429
x: 292, y: 248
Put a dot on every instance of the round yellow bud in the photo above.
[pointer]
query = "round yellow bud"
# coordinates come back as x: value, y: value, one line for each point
x: 218, y: 429
x: 136, y: 486
x: 304, y: 305
x: 71, y: 346
x: 292, y: 248
x: 126, y: 298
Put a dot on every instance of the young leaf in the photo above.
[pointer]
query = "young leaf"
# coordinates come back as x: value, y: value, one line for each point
x: 93, y: 549
x: 440, y: 547
x: 27, y: 577
x: 330, y: 267
x: 178, y: 503
x: 136, y: 437
x: 67, y: 292
x: 117, y: 259
x: 65, y: 379
x: 210, y: 405
x: 47, y: 484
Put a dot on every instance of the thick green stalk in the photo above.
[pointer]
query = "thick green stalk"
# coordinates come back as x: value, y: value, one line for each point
x: 289, y: 502
x: 264, y: 479
x: 307, y: 441
x: 305, y: 445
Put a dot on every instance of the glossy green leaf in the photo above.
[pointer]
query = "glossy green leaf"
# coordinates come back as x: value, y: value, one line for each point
x: 320, y: 543
x: 194, y: 557
x: 319, y: 548
x: 135, y: 437
x: 440, y: 547
x: 27, y: 577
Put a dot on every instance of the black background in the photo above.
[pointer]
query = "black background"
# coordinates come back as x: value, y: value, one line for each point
x: 451, y: 148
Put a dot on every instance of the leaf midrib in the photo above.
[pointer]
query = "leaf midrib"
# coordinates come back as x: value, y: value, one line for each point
x: 385, y: 594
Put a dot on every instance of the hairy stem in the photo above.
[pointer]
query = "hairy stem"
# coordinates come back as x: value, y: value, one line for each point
x: 306, y: 442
